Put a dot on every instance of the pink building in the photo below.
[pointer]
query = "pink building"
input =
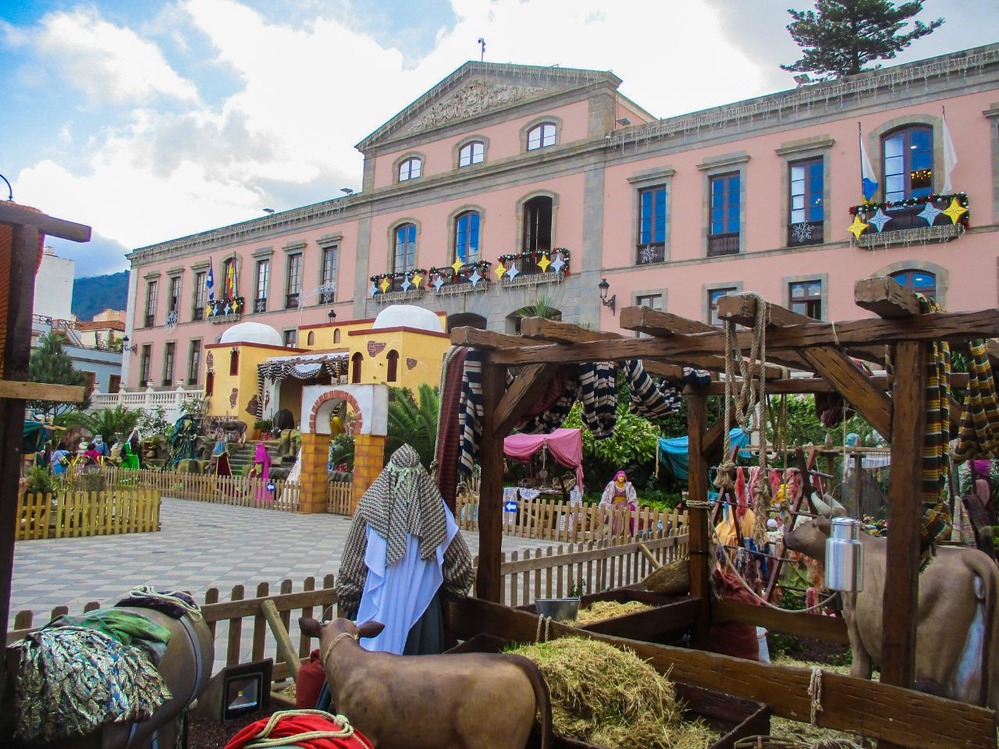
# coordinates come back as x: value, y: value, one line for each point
x: 506, y: 186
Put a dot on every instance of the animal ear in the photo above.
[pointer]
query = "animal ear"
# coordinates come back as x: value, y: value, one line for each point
x: 370, y: 629
x: 309, y: 626
x: 824, y: 525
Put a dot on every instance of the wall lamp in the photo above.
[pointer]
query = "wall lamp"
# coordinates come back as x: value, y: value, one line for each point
x: 604, y: 287
x: 331, y: 315
x: 126, y: 347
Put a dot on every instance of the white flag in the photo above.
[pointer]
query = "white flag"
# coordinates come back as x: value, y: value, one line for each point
x: 949, y: 158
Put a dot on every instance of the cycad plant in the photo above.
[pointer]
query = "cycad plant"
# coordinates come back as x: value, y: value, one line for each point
x: 111, y: 423
x: 413, y: 419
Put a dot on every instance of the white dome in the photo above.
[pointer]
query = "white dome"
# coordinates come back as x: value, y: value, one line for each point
x: 408, y: 316
x: 252, y: 332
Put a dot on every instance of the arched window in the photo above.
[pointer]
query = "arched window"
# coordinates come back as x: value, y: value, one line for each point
x: 392, y: 375
x: 410, y: 169
x: 541, y: 136
x: 404, y: 257
x: 918, y: 280
x: 336, y: 336
x: 355, y: 368
x: 311, y: 338
x: 908, y: 162
x: 466, y: 237
x: 538, y: 224
x: 466, y: 319
x: 234, y: 362
x: 472, y: 153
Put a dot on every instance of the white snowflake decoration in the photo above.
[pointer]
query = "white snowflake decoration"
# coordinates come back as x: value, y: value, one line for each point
x: 649, y: 254
x: 801, y: 232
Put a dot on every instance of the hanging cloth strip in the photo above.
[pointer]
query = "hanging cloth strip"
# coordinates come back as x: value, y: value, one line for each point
x: 979, y: 432
x: 598, y: 394
x: 470, y: 411
x: 448, y: 430
x: 649, y: 398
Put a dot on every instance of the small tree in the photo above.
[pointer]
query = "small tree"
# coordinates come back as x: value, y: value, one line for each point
x: 840, y: 37
x: 413, y: 420
x: 50, y: 364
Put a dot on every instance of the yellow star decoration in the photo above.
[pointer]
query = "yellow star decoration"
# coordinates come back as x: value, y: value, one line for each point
x: 857, y: 227
x: 500, y: 270
x: 457, y: 265
x: 417, y: 279
x: 543, y: 263
x: 954, y: 210
x: 385, y: 285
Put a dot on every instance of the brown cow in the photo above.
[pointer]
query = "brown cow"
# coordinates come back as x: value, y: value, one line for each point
x: 957, y: 635
x: 461, y: 701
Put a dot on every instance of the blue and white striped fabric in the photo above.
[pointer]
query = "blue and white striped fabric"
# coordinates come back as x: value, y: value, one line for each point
x: 649, y: 398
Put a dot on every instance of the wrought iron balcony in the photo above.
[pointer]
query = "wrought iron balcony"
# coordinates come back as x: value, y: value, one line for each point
x: 934, y: 218
x: 221, y: 311
x: 460, y: 278
x: 533, y: 267
x: 394, y: 287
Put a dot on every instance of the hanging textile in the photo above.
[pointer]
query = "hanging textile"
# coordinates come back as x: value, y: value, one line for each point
x: 554, y: 414
x: 565, y: 446
x: 598, y: 394
x: 649, y: 398
x: 470, y: 411
x: 674, y: 452
x: 447, y: 447
x: 979, y: 430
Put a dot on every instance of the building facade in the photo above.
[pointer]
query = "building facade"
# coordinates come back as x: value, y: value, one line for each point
x: 506, y: 188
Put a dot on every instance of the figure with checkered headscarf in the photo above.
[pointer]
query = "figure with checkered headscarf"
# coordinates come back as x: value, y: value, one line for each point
x: 403, y: 554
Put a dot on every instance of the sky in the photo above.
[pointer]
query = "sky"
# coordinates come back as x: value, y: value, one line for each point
x: 154, y: 119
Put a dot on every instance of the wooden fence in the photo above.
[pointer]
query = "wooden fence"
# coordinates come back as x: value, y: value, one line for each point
x: 242, y: 633
x: 75, y: 514
x: 242, y: 491
x: 560, y: 521
x: 338, y: 498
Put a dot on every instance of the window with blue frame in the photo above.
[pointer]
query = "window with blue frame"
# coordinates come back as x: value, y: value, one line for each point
x: 921, y: 281
x: 723, y: 237
x: 807, y: 210
x: 713, y: 296
x: 404, y: 257
x: 908, y: 163
x: 651, y: 226
x: 466, y: 237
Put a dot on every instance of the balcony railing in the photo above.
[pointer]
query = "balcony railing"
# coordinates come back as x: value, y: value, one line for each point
x: 654, y: 252
x: 935, y: 218
x: 393, y: 287
x: 533, y: 267
x: 226, y: 310
x: 723, y: 244
x: 804, y: 233
x: 467, y: 278
x: 291, y: 301
x: 260, y: 305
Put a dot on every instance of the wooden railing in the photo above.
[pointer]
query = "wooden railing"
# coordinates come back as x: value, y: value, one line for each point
x: 545, y: 573
x: 229, y: 490
x: 75, y: 514
x: 560, y: 521
x: 338, y: 498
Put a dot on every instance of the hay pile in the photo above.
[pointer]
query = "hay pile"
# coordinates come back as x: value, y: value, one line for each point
x: 612, y: 698
x: 600, y: 610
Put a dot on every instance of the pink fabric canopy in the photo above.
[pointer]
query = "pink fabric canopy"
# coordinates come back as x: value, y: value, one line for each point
x: 565, y: 445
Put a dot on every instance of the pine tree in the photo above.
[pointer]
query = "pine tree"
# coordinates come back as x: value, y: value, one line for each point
x: 50, y: 364
x: 840, y: 37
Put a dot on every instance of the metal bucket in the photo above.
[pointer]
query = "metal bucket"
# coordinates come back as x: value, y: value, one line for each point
x: 845, y: 556
x: 559, y: 609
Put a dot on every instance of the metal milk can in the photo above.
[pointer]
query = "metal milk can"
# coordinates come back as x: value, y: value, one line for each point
x: 845, y: 556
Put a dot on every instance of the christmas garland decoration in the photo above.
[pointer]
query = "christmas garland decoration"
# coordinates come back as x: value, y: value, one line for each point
x: 460, y: 273
x: 383, y: 283
x: 555, y: 260
x: 877, y: 215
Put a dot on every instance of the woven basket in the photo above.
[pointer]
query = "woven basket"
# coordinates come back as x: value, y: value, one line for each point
x: 672, y: 579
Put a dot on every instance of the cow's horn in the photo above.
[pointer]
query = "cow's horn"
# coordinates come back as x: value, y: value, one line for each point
x: 820, y: 507
x: 838, y: 510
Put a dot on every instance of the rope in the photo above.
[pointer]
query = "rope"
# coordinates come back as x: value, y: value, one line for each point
x: 544, y: 628
x: 173, y: 597
x: 329, y: 648
x: 815, y: 693
x: 262, y: 740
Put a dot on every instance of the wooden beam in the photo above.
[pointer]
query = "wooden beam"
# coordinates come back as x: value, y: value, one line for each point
x: 885, y: 297
x: 929, y: 327
x: 520, y: 396
x: 904, y: 516
x: 485, y: 340
x: 488, y: 579
x: 41, y: 391
x: 660, y: 324
x: 825, y: 628
x: 699, y: 536
x: 15, y: 214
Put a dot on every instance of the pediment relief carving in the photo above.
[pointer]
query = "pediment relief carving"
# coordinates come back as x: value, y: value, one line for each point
x: 477, y: 97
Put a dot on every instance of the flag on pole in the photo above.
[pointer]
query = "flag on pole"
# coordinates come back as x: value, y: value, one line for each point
x: 230, y: 279
x: 949, y: 157
x: 210, y: 286
x: 869, y: 183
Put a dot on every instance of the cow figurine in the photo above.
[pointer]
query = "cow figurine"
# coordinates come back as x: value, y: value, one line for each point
x: 956, y: 627
x: 461, y: 701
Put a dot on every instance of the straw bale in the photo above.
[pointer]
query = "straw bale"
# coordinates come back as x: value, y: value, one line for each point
x: 600, y: 610
x: 612, y: 698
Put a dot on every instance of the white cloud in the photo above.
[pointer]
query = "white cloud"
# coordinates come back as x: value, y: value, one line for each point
x: 109, y: 63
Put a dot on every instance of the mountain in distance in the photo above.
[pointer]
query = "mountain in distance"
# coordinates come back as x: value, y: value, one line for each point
x: 95, y: 294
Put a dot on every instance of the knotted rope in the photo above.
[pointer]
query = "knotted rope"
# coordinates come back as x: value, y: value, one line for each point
x: 815, y: 693
x: 544, y: 629
x: 262, y: 739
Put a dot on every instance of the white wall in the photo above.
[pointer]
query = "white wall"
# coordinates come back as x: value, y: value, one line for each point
x: 54, y: 287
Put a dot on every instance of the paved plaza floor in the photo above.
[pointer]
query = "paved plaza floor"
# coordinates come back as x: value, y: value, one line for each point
x: 200, y: 546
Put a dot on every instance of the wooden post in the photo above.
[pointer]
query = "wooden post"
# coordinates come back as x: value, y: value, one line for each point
x: 488, y: 582
x: 699, y: 533
x: 904, y: 515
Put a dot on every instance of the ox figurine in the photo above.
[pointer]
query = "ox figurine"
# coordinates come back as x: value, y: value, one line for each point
x: 186, y: 668
x: 956, y: 627
x: 461, y: 701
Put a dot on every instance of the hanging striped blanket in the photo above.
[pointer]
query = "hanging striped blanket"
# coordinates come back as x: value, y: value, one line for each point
x: 979, y: 431
x: 649, y: 398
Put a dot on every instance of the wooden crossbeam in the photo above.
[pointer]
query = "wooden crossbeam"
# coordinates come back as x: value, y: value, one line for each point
x: 41, y: 391
x: 19, y: 215
x: 520, y: 396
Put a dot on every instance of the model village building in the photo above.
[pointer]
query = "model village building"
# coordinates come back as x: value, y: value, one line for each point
x: 509, y: 187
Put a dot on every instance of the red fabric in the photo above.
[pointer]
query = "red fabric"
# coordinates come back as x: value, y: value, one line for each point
x: 309, y: 682
x: 291, y: 725
x: 565, y: 445
x: 734, y: 638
